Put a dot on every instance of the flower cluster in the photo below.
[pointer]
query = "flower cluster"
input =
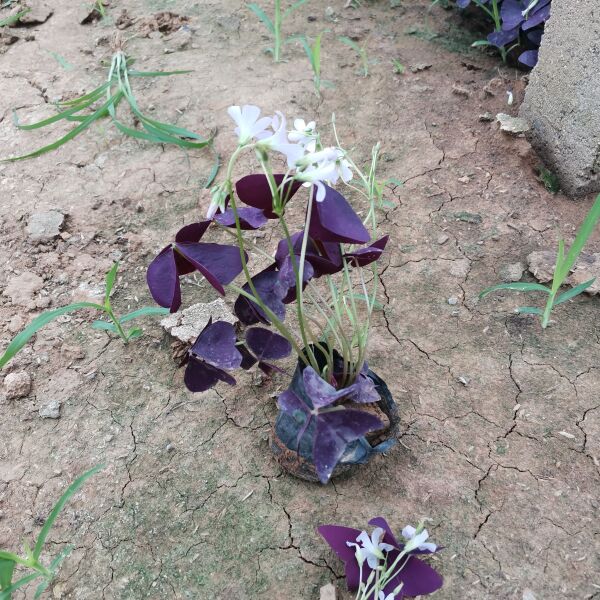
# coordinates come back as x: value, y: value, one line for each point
x: 517, y: 23
x: 333, y: 240
x: 378, y: 566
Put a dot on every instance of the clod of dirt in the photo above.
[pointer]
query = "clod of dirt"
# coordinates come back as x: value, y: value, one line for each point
x: 124, y: 21
x: 512, y: 272
x: 17, y: 385
x: 187, y: 324
x: 50, y: 410
x: 6, y: 39
x: 541, y: 266
x: 420, y: 67
x: 467, y: 217
x: 457, y: 90
x: 90, y: 13
x: 22, y: 288
x: 39, y: 13
x: 442, y: 239
x: 164, y: 22
x: 328, y: 592
x: 45, y: 226
x: 512, y: 125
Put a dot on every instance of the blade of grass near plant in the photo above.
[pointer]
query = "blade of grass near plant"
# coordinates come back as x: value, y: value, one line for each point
x: 113, y: 100
x: 7, y: 568
x: 260, y: 13
x: 578, y: 289
x: 158, y: 73
x: 111, y: 277
x: 70, y: 491
x: 13, y: 18
x: 293, y: 7
x: 530, y: 310
x: 22, y: 338
x: 6, y: 594
x: 519, y: 286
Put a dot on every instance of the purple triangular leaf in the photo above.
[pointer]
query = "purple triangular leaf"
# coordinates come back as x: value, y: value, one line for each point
x: 418, y: 577
x: 334, y: 431
x: 200, y: 376
x: 337, y: 536
x: 192, y: 232
x: 250, y: 218
x: 320, y: 392
x: 365, y: 256
x: 267, y: 345
x: 254, y: 190
x: 216, y: 344
x: 270, y: 293
x: 334, y: 220
x: 163, y: 280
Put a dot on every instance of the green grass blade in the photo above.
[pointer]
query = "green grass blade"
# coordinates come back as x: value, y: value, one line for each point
x: 351, y: 43
x: 157, y: 73
x: 134, y: 332
x: 112, y: 101
x: 518, y: 286
x: 293, y: 7
x: 6, y: 594
x: 260, y: 13
x: 574, y: 292
x: 213, y: 172
x: 4, y: 555
x: 581, y: 238
x: 70, y: 491
x: 147, y: 311
x: 104, y: 326
x: 7, y: 568
x: 41, y: 589
x: 85, y: 97
x: 61, y: 115
x: 61, y: 60
x: 316, y: 55
x: 59, y: 558
x: 13, y: 18
x: 530, y: 310
x: 111, y: 277
x: 40, y: 321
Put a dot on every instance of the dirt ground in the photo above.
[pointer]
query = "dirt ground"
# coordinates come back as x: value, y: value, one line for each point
x: 500, y: 433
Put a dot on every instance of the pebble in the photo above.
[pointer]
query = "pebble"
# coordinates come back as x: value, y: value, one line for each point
x: 15, y: 324
x: 50, y: 410
x: 460, y: 91
x: 486, y: 117
x: 327, y: 592
x: 420, y: 67
x: 45, y: 226
x: 442, y: 239
x: 452, y: 301
x: 17, y: 385
x: 512, y: 125
x: 464, y: 380
x: 512, y: 272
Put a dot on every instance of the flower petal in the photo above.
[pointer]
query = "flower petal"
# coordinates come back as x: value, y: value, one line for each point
x: 389, y: 535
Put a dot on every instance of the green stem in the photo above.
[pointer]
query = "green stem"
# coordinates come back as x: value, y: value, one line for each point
x: 113, y: 318
x: 548, y: 309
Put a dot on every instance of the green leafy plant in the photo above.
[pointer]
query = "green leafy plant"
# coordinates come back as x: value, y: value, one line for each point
x: 564, y: 265
x: 103, y: 102
x: 549, y: 179
x: 313, y: 54
x: 8, y: 21
x: 274, y: 25
x: 31, y: 560
x: 399, y: 68
x: 115, y: 325
x: 361, y: 52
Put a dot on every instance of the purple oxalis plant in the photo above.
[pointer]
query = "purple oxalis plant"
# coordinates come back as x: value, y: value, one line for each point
x: 398, y: 565
x: 517, y: 23
x: 315, y: 275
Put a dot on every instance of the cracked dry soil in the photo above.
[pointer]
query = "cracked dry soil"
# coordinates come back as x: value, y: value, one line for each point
x: 500, y: 421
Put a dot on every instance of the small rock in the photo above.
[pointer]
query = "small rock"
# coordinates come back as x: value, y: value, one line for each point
x: 420, y: 67
x: 328, y: 592
x: 464, y: 380
x: 442, y: 239
x: 21, y: 289
x: 17, y: 385
x: 452, y: 301
x: 465, y: 179
x: 170, y: 447
x: 486, y: 117
x: 512, y: 272
x: 187, y: 324
x: 72, y: 352
x: 541, y: 265
x: 45, y: 226
x: 15, y: 324
x: 461, y: 91
x: 512, y: 125
x: 50, y: 410
x: 42, y: 302
x: 39, y: 12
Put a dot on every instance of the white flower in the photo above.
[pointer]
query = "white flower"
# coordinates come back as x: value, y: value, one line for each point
x: 329, y: 157
x: 382, y: 596
x: 416, y: 540
x: 279, y: 142
x: 248, y: 123
x: 318, y: 175
x: 372, y: 548
x: 304, y: 134
x: 219, y: 195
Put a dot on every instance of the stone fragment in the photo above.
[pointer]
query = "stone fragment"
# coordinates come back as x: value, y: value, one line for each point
x: 328, y: 592
x: 457, y: 90
x: 486, y: 117
x: 541, y: 266
x: 467, y: 217
x: 512, y: 272
x: 50, y: 410
x: 22, y: 288
x: 15, y: 324
x: 452, y: 301
x: 39, y: 12
x: 442, y: 239
x: 512, y: 125
x: 562, y: 101
x: 187, y: 324
x: 417, y: 68
x: 17, y: 385
x: 44, y: 226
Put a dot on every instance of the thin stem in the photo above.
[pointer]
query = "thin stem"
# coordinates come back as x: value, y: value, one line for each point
x: 548, y: 309
x: 118, y: 325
